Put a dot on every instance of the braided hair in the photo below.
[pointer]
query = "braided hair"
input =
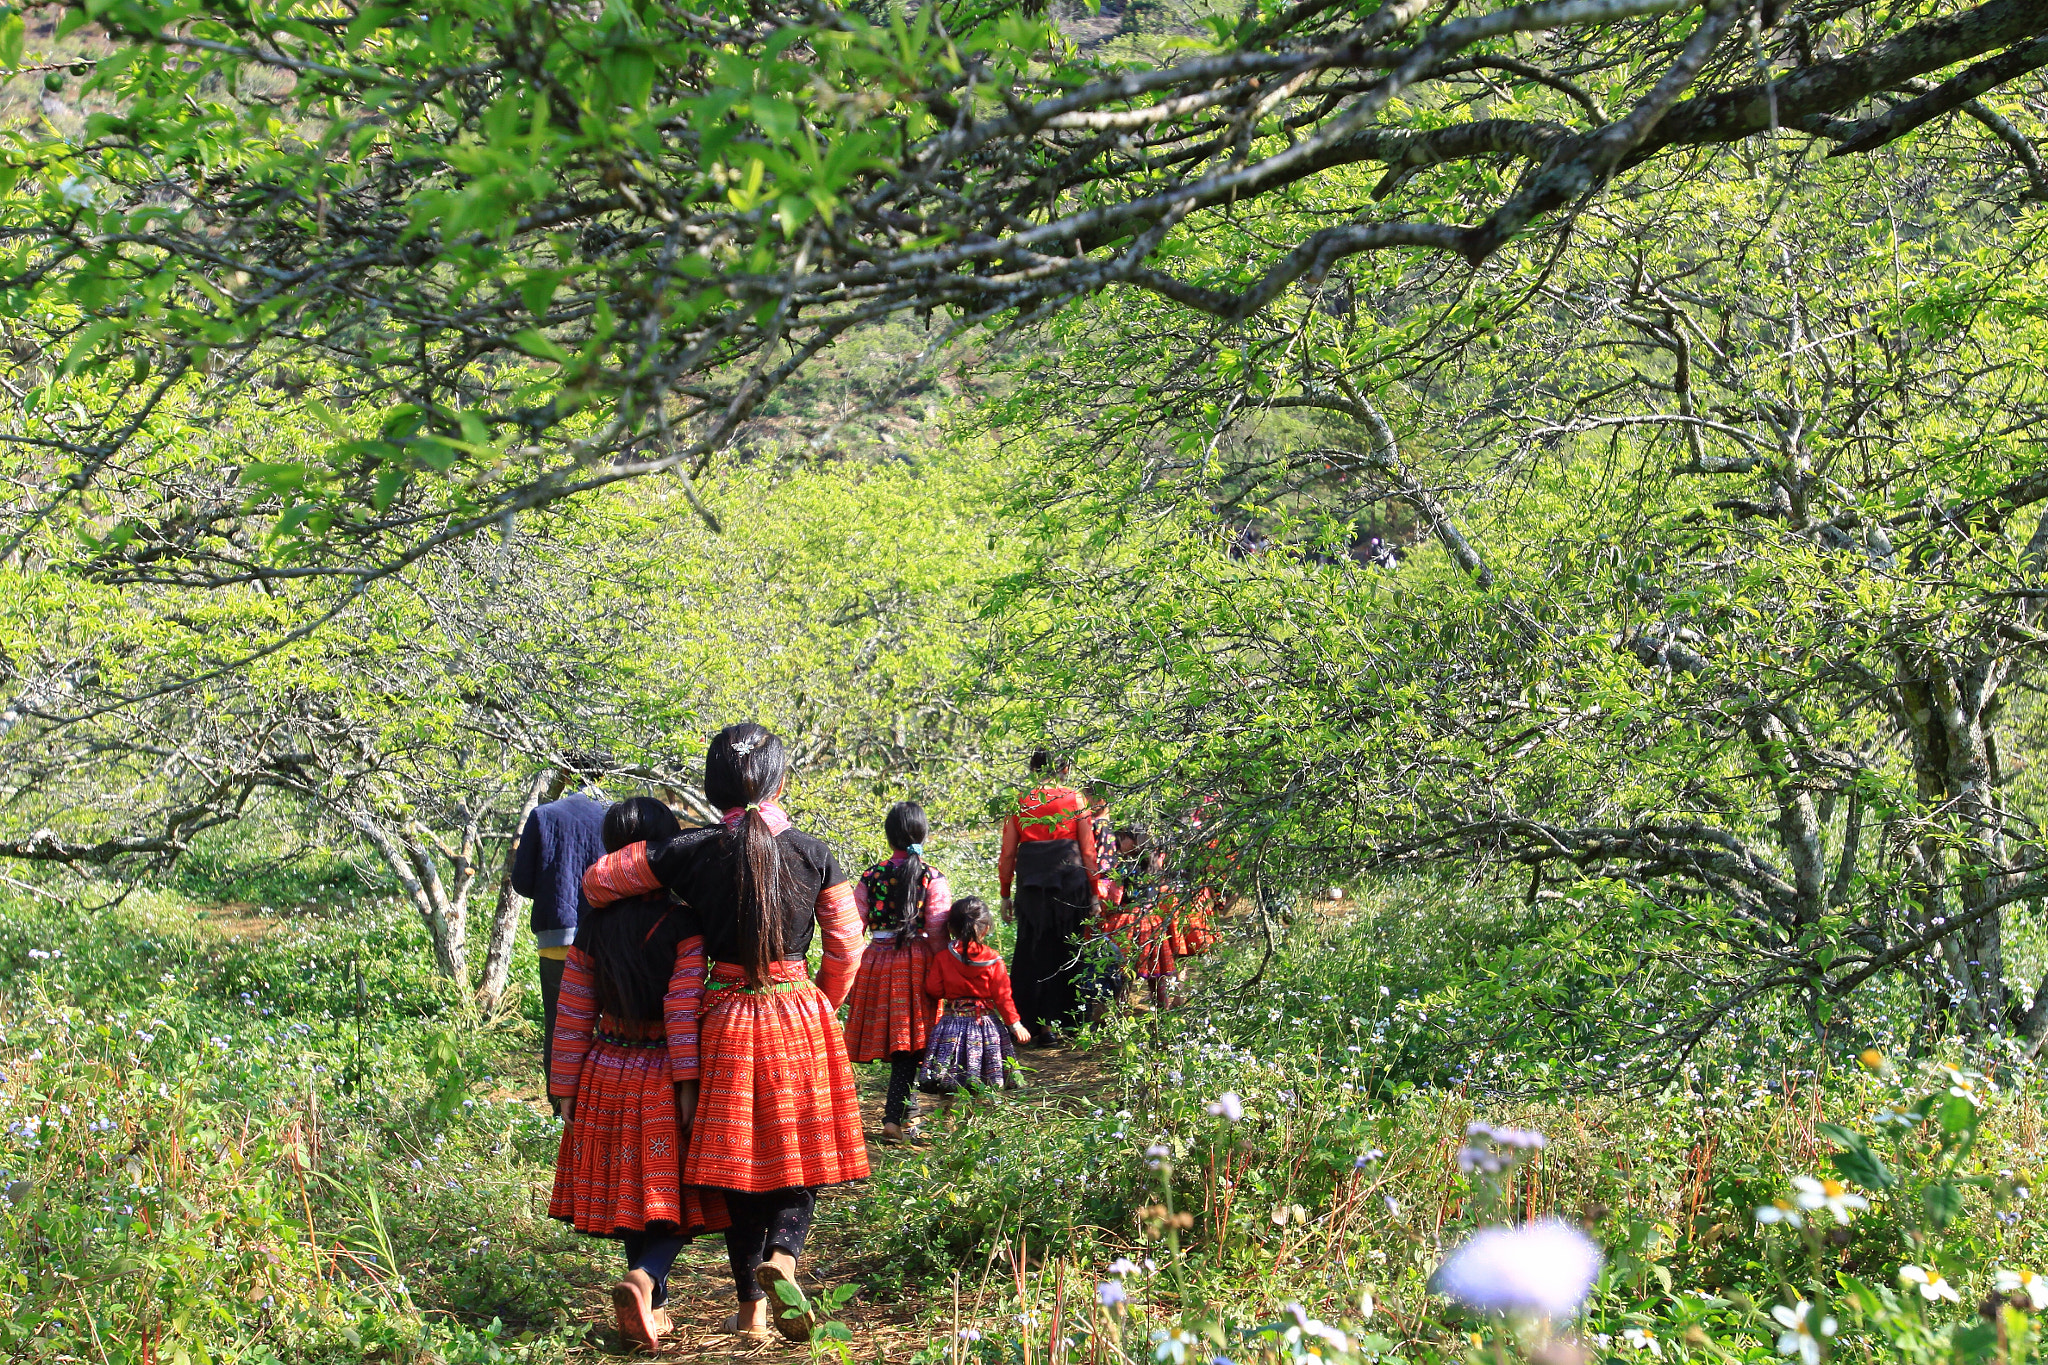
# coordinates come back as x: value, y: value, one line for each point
x: 905, y: 827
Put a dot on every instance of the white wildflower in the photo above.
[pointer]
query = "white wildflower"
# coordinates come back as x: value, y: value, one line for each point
x: 1801, y: 1336
x: 1308, y: 1336
x: 2023, y: 1282
x: 1779, y: 1211
x: 1227, y: 1106
x: 1931, y: 1283
x: 1828, y: 1194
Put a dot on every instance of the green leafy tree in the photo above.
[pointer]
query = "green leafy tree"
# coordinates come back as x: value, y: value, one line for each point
x: 1720, y: 610
x: 483, y: 258
x: 605, y: 642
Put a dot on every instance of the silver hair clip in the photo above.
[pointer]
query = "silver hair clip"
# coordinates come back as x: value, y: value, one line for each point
x: 743, y: 747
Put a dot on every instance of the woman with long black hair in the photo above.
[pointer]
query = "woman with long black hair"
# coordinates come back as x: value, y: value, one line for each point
x: 618, y: 1172
x: 774, y: 1111
x: 903, y: 900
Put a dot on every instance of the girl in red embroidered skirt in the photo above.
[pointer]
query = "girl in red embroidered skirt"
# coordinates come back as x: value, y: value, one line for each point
x: 619, y: 1170
x: 967, y: 1050
x: 773, y: 1105
x: 903, y: 901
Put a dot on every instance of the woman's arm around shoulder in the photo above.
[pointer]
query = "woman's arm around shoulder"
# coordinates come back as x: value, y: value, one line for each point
x: 618, y: 876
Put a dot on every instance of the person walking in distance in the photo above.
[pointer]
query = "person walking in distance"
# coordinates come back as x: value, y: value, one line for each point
x: 560, y: 841
x: 1047, y: 871
x: 762, y: 1069
x: 903, y: 900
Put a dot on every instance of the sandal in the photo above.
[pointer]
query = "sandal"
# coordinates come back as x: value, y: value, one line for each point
x: 731, y: 1327
x: 798, y: 1326
x: 640, y: 1322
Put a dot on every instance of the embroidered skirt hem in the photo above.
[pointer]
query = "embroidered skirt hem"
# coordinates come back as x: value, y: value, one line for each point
x: 618, y: 1168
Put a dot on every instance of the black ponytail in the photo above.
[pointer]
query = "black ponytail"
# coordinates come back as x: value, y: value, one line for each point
x: 905, y: 828
x: 744, y: 770
x: 969, y: 920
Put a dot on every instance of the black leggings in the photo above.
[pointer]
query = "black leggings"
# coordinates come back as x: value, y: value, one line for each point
x: 902, y: 1075
x: 763, y: 1224
x: 653, y: 1252
x: 551, y: 970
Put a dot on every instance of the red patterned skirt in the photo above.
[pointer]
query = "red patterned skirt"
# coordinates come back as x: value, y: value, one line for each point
x: 1193, y: 933
x: 888, y: 1010
x: 619, y: 1165
x: 1149, y: 941
x: 776, y: 1106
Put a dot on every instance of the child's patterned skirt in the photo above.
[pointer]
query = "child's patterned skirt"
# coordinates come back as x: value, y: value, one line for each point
x: 619, y: 1167
x: 969, y: 1050
x: 888, y: 1010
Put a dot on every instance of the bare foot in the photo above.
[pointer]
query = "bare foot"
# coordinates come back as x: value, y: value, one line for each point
x: 892, y: 1133
x: 633, y: 1305
x: 777, y: 1269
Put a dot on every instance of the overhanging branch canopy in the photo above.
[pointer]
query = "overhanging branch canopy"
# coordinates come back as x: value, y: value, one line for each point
x: 318, y: 290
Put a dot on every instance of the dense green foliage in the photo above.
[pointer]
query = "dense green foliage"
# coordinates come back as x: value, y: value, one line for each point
x: 610, y: 638
x: 479, y: 257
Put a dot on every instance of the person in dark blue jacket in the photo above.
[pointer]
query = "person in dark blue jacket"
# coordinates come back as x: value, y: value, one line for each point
x: 560, y: 842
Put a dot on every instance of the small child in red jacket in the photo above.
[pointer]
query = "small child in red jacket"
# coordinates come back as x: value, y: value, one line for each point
x: 967, y: 1050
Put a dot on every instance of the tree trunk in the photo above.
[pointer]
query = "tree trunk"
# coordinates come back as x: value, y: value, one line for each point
x: 411, y: 861
x: 1946, y: 710
x: 1386, y: 457
x: 1800, y: 828
x: 547, y: 784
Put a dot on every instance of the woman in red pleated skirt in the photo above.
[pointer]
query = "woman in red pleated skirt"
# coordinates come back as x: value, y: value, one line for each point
x: 766, y: 1084
x: 903, y: 903
x: 618, y: 1172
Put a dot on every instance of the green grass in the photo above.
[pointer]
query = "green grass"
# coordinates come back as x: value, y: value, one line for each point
x: 195, y: 1098
x: 242, y: 1120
